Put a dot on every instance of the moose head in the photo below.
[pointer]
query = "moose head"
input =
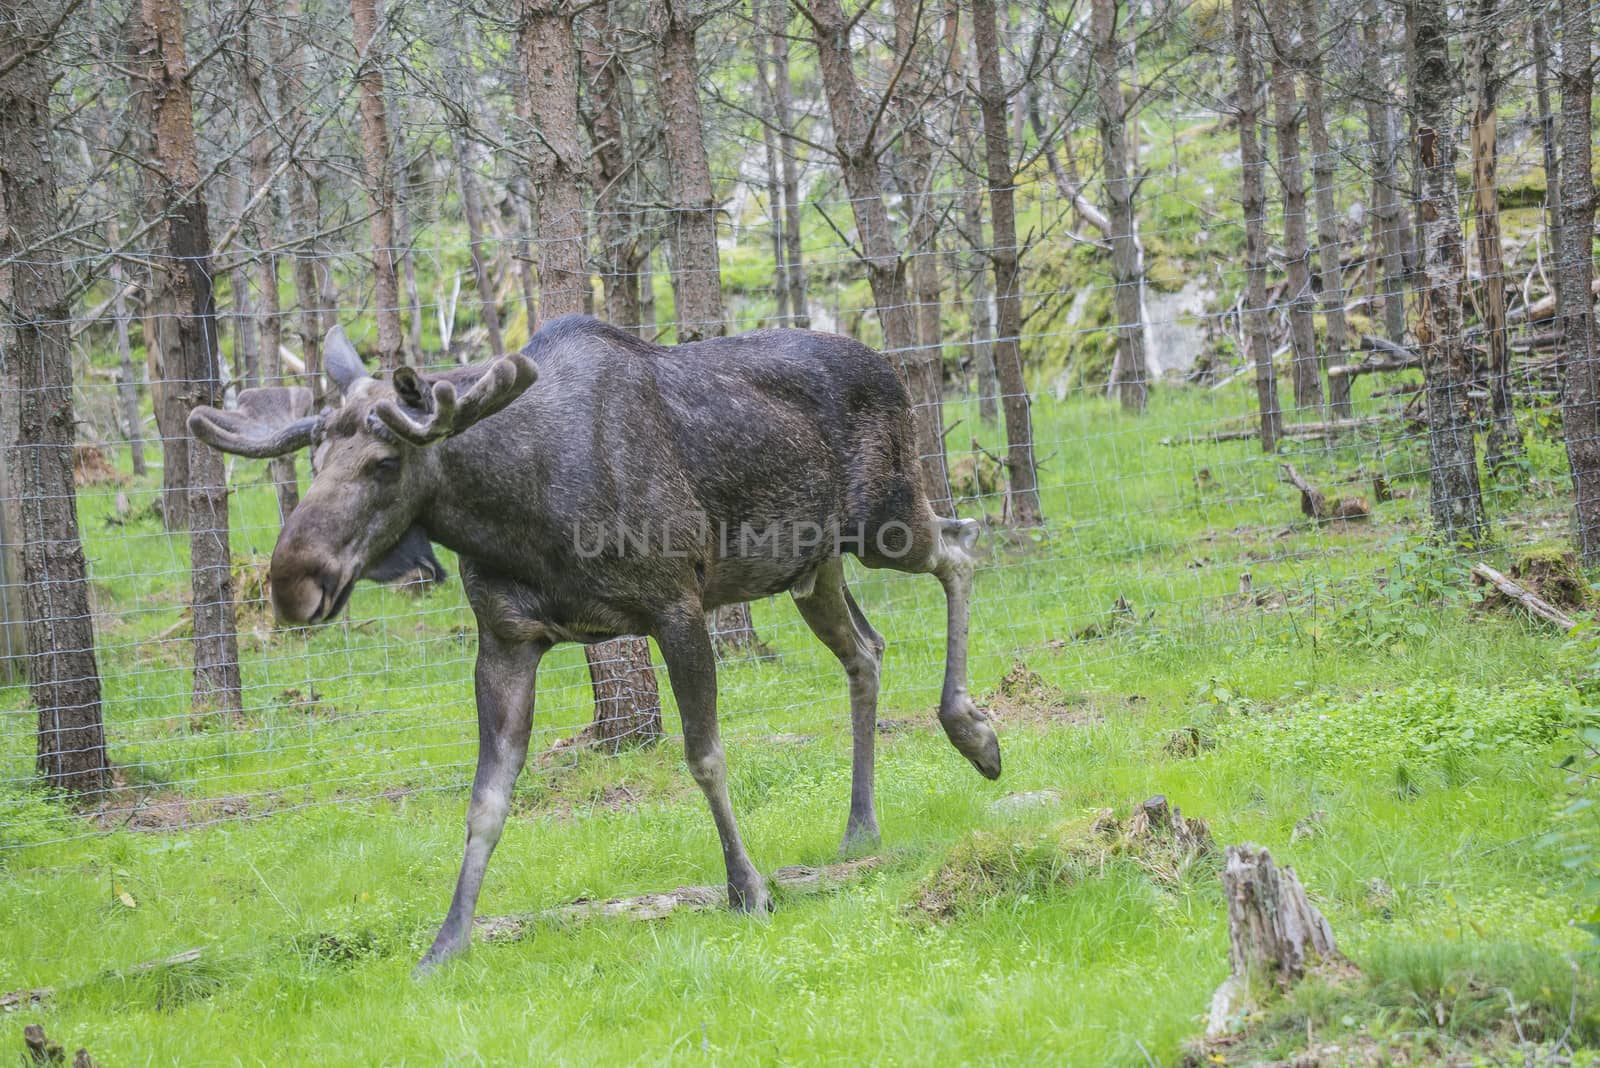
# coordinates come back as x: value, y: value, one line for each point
x: 372, y: 466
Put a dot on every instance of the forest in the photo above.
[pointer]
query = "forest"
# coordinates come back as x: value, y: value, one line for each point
x: 1256, y: 337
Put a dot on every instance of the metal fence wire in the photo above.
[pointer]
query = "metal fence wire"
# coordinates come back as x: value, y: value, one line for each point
x: 1160, y: 527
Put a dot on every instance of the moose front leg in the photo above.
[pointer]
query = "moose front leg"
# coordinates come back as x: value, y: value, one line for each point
x: 504, y: 680
x: 692, y: 666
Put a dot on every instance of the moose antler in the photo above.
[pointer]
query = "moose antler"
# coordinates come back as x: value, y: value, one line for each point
x: 499, y: 385
x: 267, y: 421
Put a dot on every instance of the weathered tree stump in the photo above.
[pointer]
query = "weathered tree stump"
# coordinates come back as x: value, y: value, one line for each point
x: 1320, y: 507
x: 44, y: 1051
x: 1274, y: 934
x: 1155, y: 818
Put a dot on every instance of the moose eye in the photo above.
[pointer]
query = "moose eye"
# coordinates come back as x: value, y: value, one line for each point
x: 385, y: 466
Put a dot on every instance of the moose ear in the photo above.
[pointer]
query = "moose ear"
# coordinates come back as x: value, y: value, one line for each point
x: 342, y: 363
x: 412, y: 391
x: 269, y: 421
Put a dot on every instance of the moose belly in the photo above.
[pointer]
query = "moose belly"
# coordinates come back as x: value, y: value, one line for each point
x: 759, y: 558
x: 577, y: 611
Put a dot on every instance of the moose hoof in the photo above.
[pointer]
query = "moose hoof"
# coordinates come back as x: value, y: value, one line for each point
x: 859, y: 839
x: 432, y: 961
x: 968, y: 730
x: 750, y: 896
x: 446, y: 947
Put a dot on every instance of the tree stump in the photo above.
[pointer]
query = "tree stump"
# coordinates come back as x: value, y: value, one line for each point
x: 1274, y: 934
x: 1320, y: 507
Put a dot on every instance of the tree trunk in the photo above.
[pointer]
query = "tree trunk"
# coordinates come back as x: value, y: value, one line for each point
x: 855, y: 137
x: 1503, y: 446
x: 915, y: 176
x: 1127, y: 257
x: 36, y: 449
x: 1329, y: 273
x: 1538, y: 18
x: 163, y: 374
x: 627, y: 706
x: 159, y: 314
x: 619, y: 243
x: 305, y: 207
x: 1291, y: 178
x: 402, y: 232
x: 1455, y: 501
x: 979, y: 302
x: 266, y: 49
x: 1022, y: 482
x: 376, y: 151
x: 13, y: 608
x: 647, y: 286
x: 520, y: 186
x: 127, y: 375
x: 1580, y: 402
x: 525, y: 255
x: 472, y: 207
x: 783, y: 115
x: 1388, y: 216
x: 692, y: 212
x: 246, y: 340
x: 697, y: 272
x: 774, y: 175
x: 467, y: 153
x: 308, y: 213
x: 1253, y: 165
x: 1066, y: 177
x: 186, y: 239
x: 549, y: 60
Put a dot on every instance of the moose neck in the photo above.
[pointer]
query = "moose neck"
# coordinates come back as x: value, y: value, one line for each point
x: 487, y: 499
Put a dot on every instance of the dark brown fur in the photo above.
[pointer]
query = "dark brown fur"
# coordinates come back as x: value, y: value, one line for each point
x: 661, y: 459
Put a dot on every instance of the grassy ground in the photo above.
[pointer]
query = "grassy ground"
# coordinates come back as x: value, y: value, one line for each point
x: 1391, y: 739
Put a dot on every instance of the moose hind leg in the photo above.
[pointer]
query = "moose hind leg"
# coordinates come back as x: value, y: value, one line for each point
x: 963, y: 721
x: 692, y: 666
x: 836, y: 620
x: 504, y: 680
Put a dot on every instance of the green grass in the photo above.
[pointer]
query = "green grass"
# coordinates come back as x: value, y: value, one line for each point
x: 1424, y: 729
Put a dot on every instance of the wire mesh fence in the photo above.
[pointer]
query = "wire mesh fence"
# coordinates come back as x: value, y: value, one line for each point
x: 1162, y: 528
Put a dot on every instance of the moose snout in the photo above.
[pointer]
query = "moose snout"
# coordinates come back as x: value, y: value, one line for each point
x: 306, y: 590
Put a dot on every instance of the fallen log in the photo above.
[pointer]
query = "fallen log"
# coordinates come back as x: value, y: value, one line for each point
x: 1394, y: 358
x: 188, y: 956
x: 1543, y: 308
x: 1534, y: 342
x: 1374, y: 343
x: 1275, y: 934
x: 27, y: 999
x: 796, y: 879
x: 1535, y: 604
x: 1290, y: 430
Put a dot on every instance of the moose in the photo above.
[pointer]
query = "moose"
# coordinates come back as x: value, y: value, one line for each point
x: 755, y: 463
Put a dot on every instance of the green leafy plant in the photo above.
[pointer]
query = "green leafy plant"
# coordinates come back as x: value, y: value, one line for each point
x: 1400, y: 605
x: 1426, y: 724
x: 1577, y: 826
